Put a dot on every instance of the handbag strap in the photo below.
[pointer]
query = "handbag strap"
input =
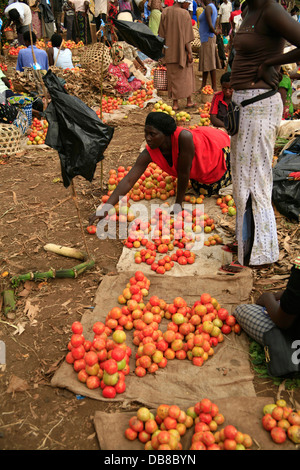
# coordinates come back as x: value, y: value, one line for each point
x: 259, y: 97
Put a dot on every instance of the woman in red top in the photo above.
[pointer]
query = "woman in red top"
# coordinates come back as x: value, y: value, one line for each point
x: 198, y: 155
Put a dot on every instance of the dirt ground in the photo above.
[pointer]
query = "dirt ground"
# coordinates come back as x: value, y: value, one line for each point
x: 36, y: 209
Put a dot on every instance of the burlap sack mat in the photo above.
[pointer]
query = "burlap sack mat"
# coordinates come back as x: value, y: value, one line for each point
x: 208, y: 258
x: 244, y: 413
x: 225, y: 374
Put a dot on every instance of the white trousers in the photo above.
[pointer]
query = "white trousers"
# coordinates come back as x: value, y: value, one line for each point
x: 251, y: 153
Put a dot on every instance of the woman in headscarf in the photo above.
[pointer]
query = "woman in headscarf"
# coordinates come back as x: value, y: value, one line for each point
x: 120, y: 69
x: 200, y: 155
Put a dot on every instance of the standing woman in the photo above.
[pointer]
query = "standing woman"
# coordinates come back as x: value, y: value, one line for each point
x: 82, y: 24
x: 209, y: 60
x: 259, y: 45
x: 36, y: 21
x: 177, y: 30
x: 155, y: 8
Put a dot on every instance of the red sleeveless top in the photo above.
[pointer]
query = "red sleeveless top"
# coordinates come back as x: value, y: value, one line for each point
x: 208, y: 163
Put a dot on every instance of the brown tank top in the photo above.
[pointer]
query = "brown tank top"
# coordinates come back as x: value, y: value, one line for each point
x: 251, y: 50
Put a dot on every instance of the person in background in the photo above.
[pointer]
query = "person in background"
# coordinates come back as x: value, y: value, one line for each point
x: 5, y: 91
x: 57, y: 11
x: 169, y: 3
x: 235, y: 15
x: 25, y: 57
x: 209, y: 60
x: 47, y: 18
x: 146, y: 13
x: 36, y: 21
x: 100, y: 12
x: 61, y: 57
x: 176, y: 28
x: 113, y: 10
x: 294, y: 13
x: 155, y: 8
x: 285, y: 89
x: 19, y: 14
x: 200, y: 155
x: 125, y: 5
x: 69, y: 21
x: 118, y: 68
x: 220, y: 101
x: 272, y: 309
x: 194, y: 15
x: 82, y: 23
x: 224, y: 15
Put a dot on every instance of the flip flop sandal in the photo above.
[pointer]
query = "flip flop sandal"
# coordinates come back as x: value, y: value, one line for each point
x: 230, y: 247
x: 232, y: 268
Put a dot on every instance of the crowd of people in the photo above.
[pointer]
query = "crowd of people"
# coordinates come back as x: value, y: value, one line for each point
x: 262, y: 39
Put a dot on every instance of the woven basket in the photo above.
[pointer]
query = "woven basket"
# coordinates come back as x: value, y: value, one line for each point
x: 160, y: 80
x: 93, y: 56
x: 9, y: 35
x: 196, y: 43
x: 206, y: 98
x: 9, y: 140
x: 25, y: 105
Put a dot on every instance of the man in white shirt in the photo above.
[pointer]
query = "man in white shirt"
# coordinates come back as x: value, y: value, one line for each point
x: 224, y: 15
x: 19, y: 14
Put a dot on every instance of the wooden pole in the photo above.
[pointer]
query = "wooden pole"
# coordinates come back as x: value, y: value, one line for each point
x: 74, y: 196
x: 61, y: 45
x: 38, y: 71
x: 101, y: 96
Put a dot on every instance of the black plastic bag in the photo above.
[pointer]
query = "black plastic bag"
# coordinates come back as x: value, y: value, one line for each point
x: 75, y: 131
x: 140, y: 36
x: 286, y: 191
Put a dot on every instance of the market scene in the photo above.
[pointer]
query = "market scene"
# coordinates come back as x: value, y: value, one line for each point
x: 149, y: 226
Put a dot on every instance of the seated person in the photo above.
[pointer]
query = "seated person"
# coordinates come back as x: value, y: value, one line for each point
x: 220, y: 102
x: 118, y: 68
x: 25, y: 57
x: 64, y: 59
x: 279, y: 309
x: 5, y: 91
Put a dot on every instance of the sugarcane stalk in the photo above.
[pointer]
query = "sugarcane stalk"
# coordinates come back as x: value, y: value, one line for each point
x: 101, y: 96
x: 38, y: 71
x: 74, y: 272
x: 53, y: 274
x: 65, y: 251
x: 9, y: 303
